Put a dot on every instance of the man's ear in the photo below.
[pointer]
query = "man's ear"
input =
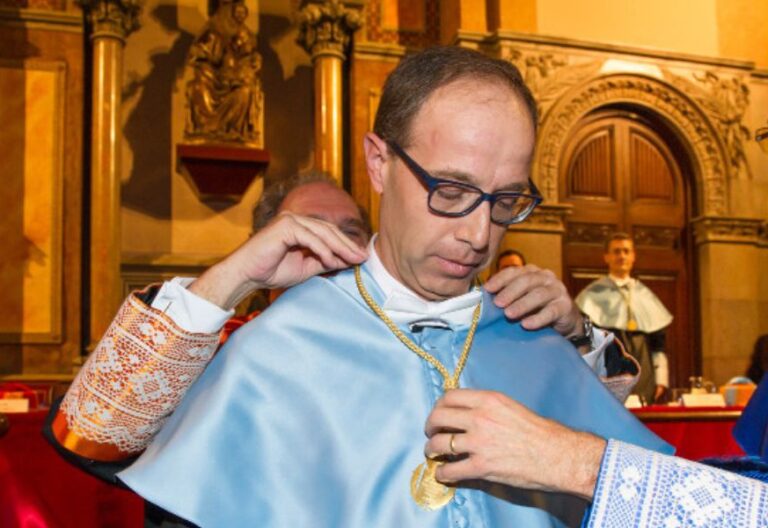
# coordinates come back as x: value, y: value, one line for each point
x: 376, y: 160
x: 606, y: 256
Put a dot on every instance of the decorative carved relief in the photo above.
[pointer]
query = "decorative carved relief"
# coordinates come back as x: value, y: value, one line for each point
x: 546, y: 218
x: 325, y: 27
x: 583, y: 233
x: 728, y: 230
x: 225, y: 102
x: 112, y: 18
x: 725, y: 101
x: 655, y: 236
x: 691, y: 122
x: 548, y: 75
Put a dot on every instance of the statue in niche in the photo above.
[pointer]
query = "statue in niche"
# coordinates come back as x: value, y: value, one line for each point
x: 224, y: 97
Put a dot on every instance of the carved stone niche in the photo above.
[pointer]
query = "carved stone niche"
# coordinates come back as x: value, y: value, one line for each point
x: 223, y: 144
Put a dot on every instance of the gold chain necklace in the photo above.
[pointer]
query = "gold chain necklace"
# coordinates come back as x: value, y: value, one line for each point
x: 426, y: 491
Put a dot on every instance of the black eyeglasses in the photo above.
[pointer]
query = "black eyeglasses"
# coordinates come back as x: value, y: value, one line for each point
x: 454, y: 198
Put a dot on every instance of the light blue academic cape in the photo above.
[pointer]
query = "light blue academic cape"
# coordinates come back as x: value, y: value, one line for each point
x: 313, y: 415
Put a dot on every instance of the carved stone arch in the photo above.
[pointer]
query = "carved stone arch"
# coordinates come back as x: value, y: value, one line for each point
x: 682, y: 114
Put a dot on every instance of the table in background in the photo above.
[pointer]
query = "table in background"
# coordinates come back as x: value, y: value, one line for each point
x: 696, y: 432
x: 39, y: 485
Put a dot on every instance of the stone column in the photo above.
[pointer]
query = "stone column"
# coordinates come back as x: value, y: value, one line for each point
x: 325, y: 27
x: 110, y: 21
x: 728, y: 251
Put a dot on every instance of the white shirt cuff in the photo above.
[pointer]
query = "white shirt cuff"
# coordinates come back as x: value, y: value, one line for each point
x: 187, y: 310
x: 660, y: 368
x: 595, y: 357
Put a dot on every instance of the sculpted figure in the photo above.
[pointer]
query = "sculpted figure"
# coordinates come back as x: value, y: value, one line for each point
x: 224, y: 97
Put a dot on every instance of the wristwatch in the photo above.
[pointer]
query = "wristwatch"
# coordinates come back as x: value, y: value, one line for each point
x: 586, y: 339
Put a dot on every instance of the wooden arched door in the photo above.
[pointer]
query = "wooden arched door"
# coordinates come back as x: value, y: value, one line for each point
x: 621, y: 174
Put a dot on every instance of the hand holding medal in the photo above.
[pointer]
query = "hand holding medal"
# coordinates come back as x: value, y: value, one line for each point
x: 426, y: 491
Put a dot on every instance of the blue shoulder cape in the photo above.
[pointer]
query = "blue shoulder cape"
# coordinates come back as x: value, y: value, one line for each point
x: 312, y: 415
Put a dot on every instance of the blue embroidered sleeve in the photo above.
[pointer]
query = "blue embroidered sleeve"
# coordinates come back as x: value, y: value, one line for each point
x: 638, y: 488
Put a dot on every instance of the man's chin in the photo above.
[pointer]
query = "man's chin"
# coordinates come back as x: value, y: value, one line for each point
x: 447, y: 288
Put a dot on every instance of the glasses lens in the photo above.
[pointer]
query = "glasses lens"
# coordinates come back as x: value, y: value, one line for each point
x: 452, y: 199
x: 512, y: 209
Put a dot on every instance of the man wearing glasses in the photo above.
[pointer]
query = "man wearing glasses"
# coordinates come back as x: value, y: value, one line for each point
x: 313, y: 414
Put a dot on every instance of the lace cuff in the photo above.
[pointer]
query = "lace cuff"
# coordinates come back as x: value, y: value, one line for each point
x: 131, y: 383
x: 638, y: 488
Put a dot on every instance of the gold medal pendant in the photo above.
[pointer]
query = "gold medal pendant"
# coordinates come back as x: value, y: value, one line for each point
x: 426, y: 491
x: 631, y: 325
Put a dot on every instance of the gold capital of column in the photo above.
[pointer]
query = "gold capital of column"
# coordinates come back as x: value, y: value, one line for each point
x: 325, y: 27
x: 112, y: 18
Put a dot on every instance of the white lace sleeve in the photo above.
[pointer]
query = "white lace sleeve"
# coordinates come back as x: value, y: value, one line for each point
x: 641, y: 488
x: 131, y: 382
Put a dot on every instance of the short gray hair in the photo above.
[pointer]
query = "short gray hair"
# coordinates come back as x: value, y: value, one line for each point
x: 418, y: 76
x: 275, y: 192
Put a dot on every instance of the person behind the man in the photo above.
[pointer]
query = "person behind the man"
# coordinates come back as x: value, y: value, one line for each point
x: 313, y: 413
x: 625, y: 306
x: 510, y: 258
x: 312, y: 194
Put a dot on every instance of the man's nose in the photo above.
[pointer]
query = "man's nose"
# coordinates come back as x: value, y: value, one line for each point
x: 475, y: 228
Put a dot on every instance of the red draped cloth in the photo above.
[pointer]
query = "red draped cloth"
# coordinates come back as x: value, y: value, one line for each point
x: 696, y: 432
x: 39, y: 489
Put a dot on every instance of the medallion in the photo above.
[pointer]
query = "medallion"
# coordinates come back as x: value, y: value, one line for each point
x: 426, y: 491
x: 631, y: 325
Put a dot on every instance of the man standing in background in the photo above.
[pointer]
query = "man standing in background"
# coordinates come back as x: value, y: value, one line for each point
x: 632, y: 312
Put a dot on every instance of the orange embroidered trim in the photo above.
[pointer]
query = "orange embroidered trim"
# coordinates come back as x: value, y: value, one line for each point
x: 131, y: 383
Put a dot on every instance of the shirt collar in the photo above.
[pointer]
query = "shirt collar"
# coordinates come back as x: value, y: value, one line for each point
x: 404, y: 306
x: 626, y: 281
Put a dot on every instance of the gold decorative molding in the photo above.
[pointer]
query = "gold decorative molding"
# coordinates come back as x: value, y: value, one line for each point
x: 728, y: 230
x: 139, y: 271
x: 326, y: 26
x: 378, y: 51
x: 725, y: 100
x: 546, y: 218
x: 471, y: 39
x: 616, y: 49
x: 41, y: 19
x: 112, y: 18
x: 684, y: 115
